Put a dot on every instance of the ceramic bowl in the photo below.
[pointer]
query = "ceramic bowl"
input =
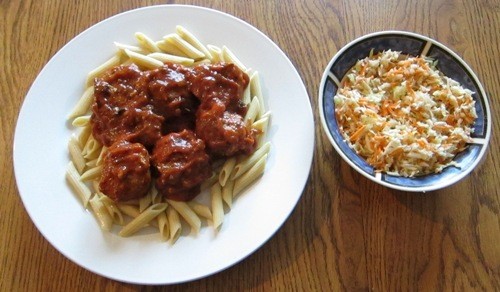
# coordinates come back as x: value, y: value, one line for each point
x: 449, y: 63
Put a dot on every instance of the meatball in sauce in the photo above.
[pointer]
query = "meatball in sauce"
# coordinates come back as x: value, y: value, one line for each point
x: 175, y: 118
x: 181, y: 164
x: 126, y: 172
x: 122, y: 111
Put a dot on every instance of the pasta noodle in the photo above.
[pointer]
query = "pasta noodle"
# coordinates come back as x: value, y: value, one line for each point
x: 227, y: 193
x: 191, y: 218
x: 83, y: 104
x: 256, y: 90
x: 143, y: 60
x: 230, y: 176
x: 201, y: 210
x: 217, y: 208
x: 113, y: 210
x: 248, y: 177
x: 163, y: 225
x: 192, y: 40
x: 216, y: 53
x: 81, y: 121
x: 184, y: 46
x: 171, y: 58
x: 76, y: 154
x: 174, y: 224
x: 229, y: 57
x: 122, y: 47
x: 143, y: 218
x: 81, y: 189
x: 248, y: 162
x: 226, y: 170
x: 112, y: 62
x: 146, y: 43
x: 101, y: 213
x: 84, y: 136
x: 170, y: 48
x: 91, y: 173
x: 253, y: 110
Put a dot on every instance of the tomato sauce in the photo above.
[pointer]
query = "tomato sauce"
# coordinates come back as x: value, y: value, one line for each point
x: 183, y: 117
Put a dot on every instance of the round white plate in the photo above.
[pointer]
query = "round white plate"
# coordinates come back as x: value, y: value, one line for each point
x: 41, y: 156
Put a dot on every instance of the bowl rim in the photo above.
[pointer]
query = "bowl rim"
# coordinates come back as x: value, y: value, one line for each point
x: 473, y: 75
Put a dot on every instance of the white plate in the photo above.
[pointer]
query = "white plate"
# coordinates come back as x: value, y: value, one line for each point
x: 41, y: 157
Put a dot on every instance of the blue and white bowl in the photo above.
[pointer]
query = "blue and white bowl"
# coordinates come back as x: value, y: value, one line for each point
x: 449, y: 63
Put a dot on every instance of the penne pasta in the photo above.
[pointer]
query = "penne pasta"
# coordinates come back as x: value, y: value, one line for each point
x: 83, y: 104
x: 261, y: 126
x: 226, y: 170
x: 100, y: 158
x: 201, y: 210
x: 154, y: 195
x: 83, y: 136
x: 256, y: 90
x: 162, y: 221
x: 76, y: 154
x: 247, y: 97
x: 113, y: 210
x: 216, y: 53
x: 184, y: 46
x: 144, y: 218
x: 101, y: 213
x: 92, y: 148
x: 248, y: 177
x: 146, y: 43
x: 169, y: 48
x: 97, y: 72
x: 193, y: 40
x: 145, y: 202
x: 143, y: 60
x: 80, y: 188
x: 251, y: 160
x: 174, y: 224
x: 229, y: 57
x: 129, y: 210
x: 185, y: 211
x: 227, y: 193
x: 91, y: 164
x: 217, y: 207
x: 81, y: 121
x: 252, y: 111
x: 163, y: 57
x: 92, y: 173
x: 266, y: 115
x: 122, y: 47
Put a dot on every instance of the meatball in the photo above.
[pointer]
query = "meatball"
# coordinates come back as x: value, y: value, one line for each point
x: 121, y: 110
x: 224, y: 82
x: 126, y: 172
x: 224, y: 132
x: 170, y: 95
x: 181, y: 164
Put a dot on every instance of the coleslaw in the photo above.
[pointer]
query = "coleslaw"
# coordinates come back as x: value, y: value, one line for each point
x: 403, y: 115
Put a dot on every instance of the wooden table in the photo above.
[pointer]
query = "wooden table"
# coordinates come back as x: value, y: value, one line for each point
x: 346, y: 232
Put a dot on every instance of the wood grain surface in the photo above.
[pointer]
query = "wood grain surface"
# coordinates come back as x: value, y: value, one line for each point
x: 346, y: 233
